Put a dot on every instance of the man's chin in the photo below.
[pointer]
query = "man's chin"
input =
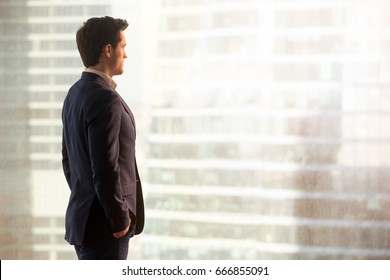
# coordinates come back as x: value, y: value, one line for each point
x: 120, y: 72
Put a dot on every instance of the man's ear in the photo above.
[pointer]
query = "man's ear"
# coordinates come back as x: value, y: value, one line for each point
x: 107, y: 50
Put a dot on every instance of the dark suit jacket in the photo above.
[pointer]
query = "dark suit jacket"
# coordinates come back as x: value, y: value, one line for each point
x: 98, y: 158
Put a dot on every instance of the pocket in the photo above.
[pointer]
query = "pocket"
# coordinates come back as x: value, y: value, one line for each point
x: 129, y: 195
x: 128, y: 189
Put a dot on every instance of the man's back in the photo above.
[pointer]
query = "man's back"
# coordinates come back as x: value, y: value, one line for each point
x: 99, y: 147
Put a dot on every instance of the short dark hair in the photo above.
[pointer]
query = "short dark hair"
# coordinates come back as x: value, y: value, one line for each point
x: 95, y: 34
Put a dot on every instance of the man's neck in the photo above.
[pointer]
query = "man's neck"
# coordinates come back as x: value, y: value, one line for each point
x: 102, y: 69
x: 102, y: 74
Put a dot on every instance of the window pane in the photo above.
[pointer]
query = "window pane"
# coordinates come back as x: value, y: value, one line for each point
x: 261, y: 126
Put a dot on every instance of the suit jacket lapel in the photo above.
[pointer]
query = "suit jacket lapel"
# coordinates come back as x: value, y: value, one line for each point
x: 127, y: 109
x: 93, y: 76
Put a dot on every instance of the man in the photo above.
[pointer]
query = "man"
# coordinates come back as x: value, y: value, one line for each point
x: 98, y: 149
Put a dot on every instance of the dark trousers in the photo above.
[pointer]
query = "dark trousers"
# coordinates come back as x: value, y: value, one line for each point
x: 99, y: 242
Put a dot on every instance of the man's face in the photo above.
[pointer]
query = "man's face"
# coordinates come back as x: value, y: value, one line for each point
x: 118, y: 56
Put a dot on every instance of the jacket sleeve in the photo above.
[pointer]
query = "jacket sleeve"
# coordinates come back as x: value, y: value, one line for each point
x: 65, y: 161
x: 103, y: 128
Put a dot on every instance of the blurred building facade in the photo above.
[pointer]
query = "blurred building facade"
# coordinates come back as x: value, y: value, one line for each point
x: 15, y: 201
x: 267, y: 134
x: 256, y: 150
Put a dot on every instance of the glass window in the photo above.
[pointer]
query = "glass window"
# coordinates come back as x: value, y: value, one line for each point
x: 258, y: 123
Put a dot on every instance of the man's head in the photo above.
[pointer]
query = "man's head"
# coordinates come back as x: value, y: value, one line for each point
x: 98, y: 41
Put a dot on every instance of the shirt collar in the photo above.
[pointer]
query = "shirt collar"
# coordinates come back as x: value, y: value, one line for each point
x: 108, y: 79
